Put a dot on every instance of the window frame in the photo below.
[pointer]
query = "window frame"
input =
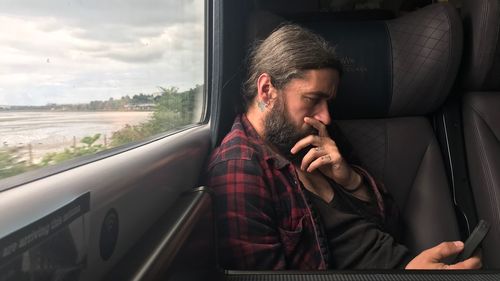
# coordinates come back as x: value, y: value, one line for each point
x: 204, y: 118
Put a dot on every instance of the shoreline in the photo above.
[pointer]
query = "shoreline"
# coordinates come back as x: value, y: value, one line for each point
x: 55, y: 131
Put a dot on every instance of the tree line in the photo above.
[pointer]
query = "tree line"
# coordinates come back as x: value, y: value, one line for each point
x: 137, y: 102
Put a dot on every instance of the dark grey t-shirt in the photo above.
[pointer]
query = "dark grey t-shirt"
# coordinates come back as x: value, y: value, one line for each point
x: 355, y: 235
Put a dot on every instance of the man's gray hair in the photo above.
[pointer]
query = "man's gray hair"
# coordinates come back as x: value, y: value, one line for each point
x: 286, y: 54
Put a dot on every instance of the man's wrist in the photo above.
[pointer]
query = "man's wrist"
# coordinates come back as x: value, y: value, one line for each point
x: 356, y: 182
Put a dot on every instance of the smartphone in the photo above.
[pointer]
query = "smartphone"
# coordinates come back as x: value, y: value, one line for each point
x: 474, y: 240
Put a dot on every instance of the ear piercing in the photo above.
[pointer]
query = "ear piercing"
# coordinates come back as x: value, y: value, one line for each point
x: 261, y: 105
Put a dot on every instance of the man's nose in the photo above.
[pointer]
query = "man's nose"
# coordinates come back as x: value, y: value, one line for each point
x: 323, y: 114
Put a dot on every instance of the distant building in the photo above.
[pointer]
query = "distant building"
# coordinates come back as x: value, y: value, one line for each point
x: 141, y: 106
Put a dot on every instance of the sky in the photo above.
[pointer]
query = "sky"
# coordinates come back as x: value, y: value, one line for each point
x: 76, y: 51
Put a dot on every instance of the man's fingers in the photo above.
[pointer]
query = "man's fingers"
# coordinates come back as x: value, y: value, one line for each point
x: 313, y: 155
x: 444, y: 250
x: 323, y: 160
x: 309, y: 157
x: 317, y: 125
x: 471, y: 263
x: 303, y: 143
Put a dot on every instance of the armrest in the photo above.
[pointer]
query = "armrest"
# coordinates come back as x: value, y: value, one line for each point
x: 181, y: 245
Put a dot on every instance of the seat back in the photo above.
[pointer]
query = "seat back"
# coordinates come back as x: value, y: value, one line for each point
x: 481, y: 115
x: 397, y: 73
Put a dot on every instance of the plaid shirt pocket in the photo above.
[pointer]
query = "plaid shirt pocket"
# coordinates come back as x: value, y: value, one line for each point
x: 292, y: 241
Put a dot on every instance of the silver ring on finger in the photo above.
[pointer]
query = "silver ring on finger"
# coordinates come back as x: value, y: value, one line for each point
x: 327, y: 158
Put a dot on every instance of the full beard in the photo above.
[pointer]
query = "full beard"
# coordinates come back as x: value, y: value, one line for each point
x: 280, y: 131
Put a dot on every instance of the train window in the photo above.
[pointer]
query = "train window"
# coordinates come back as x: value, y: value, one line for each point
x: 80, y: 77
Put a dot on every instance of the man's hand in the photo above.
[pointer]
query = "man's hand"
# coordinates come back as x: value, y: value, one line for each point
x: 325, y: 156
x: 431, y: 258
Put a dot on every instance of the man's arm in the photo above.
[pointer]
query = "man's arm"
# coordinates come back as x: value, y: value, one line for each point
x: 247, y: 230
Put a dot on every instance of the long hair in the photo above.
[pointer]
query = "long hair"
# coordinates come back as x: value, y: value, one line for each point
x: 286, y: 54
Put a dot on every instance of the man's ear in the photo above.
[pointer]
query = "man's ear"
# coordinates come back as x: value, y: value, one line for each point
x: 266, y: 92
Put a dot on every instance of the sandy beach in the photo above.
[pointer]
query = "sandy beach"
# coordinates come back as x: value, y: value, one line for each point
x: 48, y: 132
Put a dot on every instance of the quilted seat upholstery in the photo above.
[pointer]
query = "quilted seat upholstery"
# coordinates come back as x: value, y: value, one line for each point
x: 481, y: 115
x: 415, y: 60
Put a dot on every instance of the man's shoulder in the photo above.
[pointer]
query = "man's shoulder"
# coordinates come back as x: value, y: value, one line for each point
x: 236, y: 145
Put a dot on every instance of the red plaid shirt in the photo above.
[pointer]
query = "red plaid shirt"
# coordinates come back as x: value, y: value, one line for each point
x: 264, y: 220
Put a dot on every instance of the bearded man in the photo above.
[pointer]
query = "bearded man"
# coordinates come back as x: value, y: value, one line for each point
x: 286, y: 198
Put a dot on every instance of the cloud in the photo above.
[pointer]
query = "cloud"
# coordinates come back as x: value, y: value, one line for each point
x: 129, y: 12
x: 63, y: 51
x: 132, y: 57
x: 173, y: 41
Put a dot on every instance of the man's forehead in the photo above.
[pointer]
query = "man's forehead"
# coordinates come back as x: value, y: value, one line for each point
x: 316, y: 82
x: 321, y: 75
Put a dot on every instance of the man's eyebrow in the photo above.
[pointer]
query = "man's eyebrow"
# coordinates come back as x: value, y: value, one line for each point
x: 320, y: 94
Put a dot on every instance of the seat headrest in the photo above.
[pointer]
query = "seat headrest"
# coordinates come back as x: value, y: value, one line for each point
x: 394, y: 67
x: 481, y: 62
x: 400, y: 67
